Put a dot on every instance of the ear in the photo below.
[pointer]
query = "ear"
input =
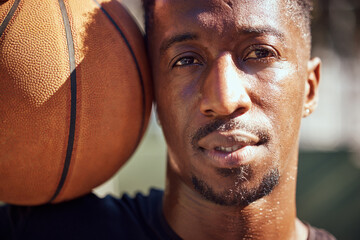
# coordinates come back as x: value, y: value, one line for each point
x: 311, y: 86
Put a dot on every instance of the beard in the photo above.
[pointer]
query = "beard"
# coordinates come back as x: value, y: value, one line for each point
x: 238, y: 194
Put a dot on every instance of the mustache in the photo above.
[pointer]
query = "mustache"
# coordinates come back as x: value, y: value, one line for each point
x: 258, y: 129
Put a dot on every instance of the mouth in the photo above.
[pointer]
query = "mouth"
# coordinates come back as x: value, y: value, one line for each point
x: 227, y: 149
x: 230, y: 149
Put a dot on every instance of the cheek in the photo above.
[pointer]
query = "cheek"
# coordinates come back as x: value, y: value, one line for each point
x: 176, y: 96
x: 174, y: 116
x: 281, y: 92
x: 280, y: 98
x: 174, y: 101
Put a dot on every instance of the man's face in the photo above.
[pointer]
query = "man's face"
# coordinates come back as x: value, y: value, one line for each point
x: 230, y: 80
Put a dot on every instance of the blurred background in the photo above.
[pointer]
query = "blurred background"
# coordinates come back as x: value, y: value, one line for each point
x: 328, y: 192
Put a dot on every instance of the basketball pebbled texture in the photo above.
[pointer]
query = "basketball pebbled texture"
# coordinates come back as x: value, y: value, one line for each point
x: 75, y: 96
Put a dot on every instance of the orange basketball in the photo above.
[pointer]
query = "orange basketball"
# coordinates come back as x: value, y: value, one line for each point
x: 75, y: 96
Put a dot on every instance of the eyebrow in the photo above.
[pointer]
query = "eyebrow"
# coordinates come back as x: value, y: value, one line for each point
x: 167, y: 43
x: 263, y: 30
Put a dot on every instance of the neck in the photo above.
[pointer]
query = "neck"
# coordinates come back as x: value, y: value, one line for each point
x: 193, y: 217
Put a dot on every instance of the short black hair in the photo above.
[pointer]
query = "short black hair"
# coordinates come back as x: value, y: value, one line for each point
x: 300, y: 13
x: 298, y: 10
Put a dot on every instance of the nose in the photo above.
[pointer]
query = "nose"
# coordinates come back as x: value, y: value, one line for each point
x: 224, y: 90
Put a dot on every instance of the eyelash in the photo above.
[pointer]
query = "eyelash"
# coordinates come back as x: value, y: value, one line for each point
x: 188, y: 57
x: 252, y: 49
x: 270, y: 51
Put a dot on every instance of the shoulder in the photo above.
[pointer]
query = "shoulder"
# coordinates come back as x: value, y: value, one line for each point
x: 88, y: 217
x: 319, y: 234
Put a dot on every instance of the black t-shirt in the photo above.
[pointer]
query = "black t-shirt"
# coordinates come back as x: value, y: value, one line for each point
x: 90, y: 217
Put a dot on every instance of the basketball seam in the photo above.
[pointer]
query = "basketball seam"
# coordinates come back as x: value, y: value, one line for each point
x: 8, y: 17
x: 72, y: 63
x: 137, y: 68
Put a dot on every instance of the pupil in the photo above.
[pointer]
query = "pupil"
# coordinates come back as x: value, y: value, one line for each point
x: 262, y: 53
x: 187, y: 61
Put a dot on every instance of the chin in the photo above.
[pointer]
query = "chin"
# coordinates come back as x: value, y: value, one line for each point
x: 238, y: 192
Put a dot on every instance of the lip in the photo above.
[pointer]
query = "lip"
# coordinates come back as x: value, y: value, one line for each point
x: 246, y: 147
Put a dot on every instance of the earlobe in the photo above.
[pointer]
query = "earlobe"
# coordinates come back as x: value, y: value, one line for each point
x: 311, y: 86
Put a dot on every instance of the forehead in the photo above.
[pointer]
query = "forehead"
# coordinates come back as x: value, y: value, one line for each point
x: 222, y: 22
x: 218, y: 15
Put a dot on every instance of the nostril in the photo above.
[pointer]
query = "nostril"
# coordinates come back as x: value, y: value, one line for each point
x: 209, y: 111
x: 243, y: 110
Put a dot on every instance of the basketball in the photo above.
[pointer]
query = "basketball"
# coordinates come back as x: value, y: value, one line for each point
x: 75, y: 96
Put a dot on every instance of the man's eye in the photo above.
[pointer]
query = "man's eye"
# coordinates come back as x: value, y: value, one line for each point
x: 185, y: 61
x: 260, y: 53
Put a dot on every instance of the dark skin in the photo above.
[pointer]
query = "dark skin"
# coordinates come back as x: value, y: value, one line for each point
x: 232, y: 81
